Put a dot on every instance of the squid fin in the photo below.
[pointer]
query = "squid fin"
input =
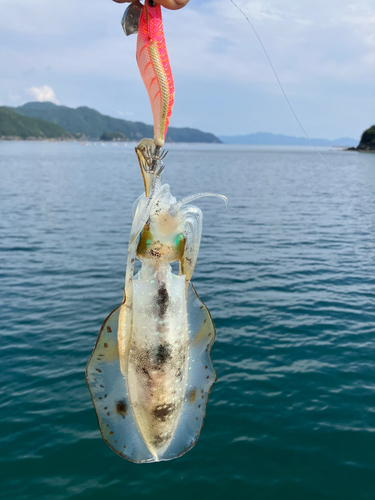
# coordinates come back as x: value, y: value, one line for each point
x: 200, y: 379
x: 109, y: 393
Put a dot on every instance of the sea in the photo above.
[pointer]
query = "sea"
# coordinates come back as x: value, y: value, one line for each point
x: 288, y: 274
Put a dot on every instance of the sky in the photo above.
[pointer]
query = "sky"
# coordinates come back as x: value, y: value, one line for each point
x: 74, y: 53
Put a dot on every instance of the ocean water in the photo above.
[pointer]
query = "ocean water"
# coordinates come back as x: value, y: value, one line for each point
x: 288, y: 274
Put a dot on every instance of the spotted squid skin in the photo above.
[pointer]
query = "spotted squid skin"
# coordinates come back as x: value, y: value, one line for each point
x: 158, y: 358
x: 155, y: 69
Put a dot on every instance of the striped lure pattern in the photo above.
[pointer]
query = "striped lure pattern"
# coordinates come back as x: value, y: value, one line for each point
x: 155, y: 69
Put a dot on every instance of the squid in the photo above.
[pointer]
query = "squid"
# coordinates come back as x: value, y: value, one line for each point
x: 151, y: 373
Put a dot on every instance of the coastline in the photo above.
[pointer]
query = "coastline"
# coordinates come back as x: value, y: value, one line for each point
x: 39, y: 139
x: 368, y: 149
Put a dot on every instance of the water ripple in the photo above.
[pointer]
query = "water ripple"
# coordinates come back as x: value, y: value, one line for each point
x: 288, y: 273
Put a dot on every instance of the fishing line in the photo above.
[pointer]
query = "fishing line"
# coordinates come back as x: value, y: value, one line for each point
x: 291, y: 107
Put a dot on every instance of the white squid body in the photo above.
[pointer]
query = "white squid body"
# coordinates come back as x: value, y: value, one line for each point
x: 151, y: 373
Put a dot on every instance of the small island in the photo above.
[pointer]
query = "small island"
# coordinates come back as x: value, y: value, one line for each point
x: 367, y: 142
x: 113, y: 136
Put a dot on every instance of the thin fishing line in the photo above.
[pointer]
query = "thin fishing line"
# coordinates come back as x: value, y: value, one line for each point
x: 291, y: 107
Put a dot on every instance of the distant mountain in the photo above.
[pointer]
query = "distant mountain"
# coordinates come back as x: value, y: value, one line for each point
x: 93, y: 124
x: 15, y: 126
x: 266, y: 139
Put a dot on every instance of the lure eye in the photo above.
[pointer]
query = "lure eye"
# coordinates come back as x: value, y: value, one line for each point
x: 151, y: 3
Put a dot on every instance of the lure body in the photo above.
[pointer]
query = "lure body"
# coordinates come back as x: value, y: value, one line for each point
x: 153, y: 63
x: 151, y: 373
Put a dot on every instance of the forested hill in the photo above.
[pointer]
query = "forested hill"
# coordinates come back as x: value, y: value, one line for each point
x: 367, y: 142
x: 15, y: 126
x: 93, y: 125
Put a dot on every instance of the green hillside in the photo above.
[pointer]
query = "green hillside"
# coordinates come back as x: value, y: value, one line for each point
x: 93, y: 124
x: 367, y: 142
x: 13, y: 125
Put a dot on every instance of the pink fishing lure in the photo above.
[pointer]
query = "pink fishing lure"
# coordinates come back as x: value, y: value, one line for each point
x: 155, y: 69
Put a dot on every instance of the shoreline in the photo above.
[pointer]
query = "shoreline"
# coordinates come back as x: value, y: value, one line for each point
x: 37, y: 139
x: 361, y: 150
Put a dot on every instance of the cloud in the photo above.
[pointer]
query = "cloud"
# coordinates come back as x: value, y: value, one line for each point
x: 126, y: 113
x: 43, y: 94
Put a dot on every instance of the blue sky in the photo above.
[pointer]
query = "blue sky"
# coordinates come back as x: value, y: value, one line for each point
x: 74, y: 52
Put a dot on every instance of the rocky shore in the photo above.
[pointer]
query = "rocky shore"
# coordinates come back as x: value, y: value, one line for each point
x: 367, y: 142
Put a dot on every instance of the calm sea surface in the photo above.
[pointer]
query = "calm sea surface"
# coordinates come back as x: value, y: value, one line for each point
x: 288, y: 274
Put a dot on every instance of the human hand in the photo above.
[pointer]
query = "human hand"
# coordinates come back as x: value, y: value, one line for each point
x: 168, y: 4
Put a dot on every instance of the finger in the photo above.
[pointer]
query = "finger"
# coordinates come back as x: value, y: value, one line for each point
x: 173, y: 4
x: 168, y: 4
